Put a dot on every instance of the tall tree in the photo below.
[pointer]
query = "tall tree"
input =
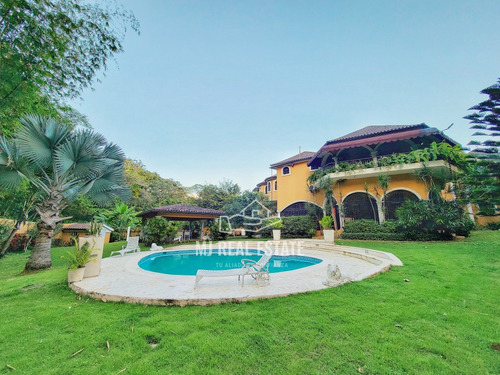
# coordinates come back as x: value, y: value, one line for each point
x: 50, y: 50
x: 480, y: 184
x: 213, y: 196
x: 486, y: 120
x: 62, y: 164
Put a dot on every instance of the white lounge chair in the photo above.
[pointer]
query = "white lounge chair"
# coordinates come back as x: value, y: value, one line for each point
x: 132, y: 246
x: 177, y: 239
x: 259, y: 270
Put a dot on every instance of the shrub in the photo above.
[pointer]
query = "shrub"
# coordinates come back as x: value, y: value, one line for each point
x: 493, y: 226
x: 215, y: 234
x: 19, y: 242
x: 443, y: 218
x: 373, y: 236
x: 298, y: 226
x: 158, y: 230
x: 369, y: 226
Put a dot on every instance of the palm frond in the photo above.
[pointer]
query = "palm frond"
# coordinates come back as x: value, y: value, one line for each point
x: 39, y: 136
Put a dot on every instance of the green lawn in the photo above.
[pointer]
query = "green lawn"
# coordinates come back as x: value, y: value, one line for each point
x: 443, y: 321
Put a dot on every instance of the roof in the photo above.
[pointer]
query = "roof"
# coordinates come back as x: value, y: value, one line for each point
x: 302, y: 156
x: 182, y: 212
x: 376, y: 134
x: 372, y: 130
x: 83, y: 226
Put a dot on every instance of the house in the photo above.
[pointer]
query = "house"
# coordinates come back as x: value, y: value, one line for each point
x: 80, y: 230
x: 354, y: 163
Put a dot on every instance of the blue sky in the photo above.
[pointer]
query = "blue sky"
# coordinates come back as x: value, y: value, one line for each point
x: 221, y: 89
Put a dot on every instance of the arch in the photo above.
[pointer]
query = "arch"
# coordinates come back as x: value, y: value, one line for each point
x: 297, y: 208
x: 360, y: 191
x: 285, y: 171
x: 395, y: 198
x: 360, y: 205
x: 354, y: 153
x: 395, y: 147
x: 327, y: 160
x: 407, y: 189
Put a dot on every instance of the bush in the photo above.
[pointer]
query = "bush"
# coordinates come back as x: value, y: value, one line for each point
x: 443, y: 219
x: 493, y: 226
x: 373, y: 236
x: 369, y: 226
x: 19, y: 242
x: 158, y: 230
x: 215, y: 234
x: 298, y: 226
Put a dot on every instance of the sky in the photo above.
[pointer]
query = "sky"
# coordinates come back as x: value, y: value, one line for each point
x: 214, y: 90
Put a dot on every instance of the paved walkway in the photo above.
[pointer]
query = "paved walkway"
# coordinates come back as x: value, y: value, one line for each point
x: 122, y: 280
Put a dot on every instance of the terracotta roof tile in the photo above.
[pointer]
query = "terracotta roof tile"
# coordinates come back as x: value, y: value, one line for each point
x: 369, y: 131
x: 303, y: 156
x: 183, y: 209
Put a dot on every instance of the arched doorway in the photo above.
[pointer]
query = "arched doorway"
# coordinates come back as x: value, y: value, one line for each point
x: 360, y: 206
x: 302, y: 209
x: 395, y: 199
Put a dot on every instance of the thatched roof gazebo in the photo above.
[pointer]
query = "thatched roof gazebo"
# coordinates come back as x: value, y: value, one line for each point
x: 183, y: 212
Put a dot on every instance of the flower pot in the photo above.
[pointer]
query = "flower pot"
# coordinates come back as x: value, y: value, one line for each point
x: 329, y: 235
x: 276, y: 234
x: 75, y: 276
x: 93, y: 266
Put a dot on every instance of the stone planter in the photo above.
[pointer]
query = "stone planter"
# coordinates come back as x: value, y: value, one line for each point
x: 276, y: 234
x: 329, y: 235
x: 93, y: 267
x: 75, y: 276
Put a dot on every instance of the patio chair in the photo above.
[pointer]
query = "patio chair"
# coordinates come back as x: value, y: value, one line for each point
x: 178, y: 238
x: 259, y: 270
x: 132, y: 246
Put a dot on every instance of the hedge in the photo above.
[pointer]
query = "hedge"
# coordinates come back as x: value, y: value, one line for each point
x: 392, y: 237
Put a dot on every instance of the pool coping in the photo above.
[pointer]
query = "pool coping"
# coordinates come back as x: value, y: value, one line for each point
x: 122, y: 280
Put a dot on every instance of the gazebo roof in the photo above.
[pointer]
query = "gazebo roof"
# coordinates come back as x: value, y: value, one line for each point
x: 182, y: 212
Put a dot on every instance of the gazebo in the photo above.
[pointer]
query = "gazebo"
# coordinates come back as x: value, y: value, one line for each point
x: 183, y: 212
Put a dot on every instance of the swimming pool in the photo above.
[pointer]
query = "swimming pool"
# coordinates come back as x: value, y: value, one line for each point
x: 188, y: 262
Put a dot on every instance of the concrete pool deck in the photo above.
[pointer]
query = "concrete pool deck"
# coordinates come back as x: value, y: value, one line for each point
x: 121, y: 279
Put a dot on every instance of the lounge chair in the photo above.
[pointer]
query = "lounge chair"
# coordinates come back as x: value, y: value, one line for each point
x: 178, y: 238
x: 132, y: 246
x: 259, y: 270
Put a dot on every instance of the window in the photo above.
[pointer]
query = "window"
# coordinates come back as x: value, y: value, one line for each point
x: 268, y: 187
x: 285, y: 171
x: 275, y: 185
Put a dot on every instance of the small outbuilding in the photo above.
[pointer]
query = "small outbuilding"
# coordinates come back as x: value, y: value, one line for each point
x: 183, y: 212
x: 81, y: 230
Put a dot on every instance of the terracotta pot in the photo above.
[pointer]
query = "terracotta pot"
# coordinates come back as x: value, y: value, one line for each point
x: 329, y: 235
x: 276, y: 234
x: 75, y: 276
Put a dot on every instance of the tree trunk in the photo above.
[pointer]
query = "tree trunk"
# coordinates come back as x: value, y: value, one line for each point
x: 40, y: 255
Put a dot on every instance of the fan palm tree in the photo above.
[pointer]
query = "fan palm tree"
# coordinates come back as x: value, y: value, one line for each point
x: 62, y: 164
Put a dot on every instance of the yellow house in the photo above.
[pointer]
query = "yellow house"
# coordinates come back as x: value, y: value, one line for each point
x: 80, y: 230
x: 353, y: 163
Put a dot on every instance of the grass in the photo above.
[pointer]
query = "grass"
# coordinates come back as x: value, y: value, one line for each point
x: 443, y: 321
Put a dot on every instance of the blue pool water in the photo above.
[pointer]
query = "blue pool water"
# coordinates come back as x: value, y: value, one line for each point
x: 188, y: 262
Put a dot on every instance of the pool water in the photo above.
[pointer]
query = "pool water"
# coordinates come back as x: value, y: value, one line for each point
x: 188, y: 262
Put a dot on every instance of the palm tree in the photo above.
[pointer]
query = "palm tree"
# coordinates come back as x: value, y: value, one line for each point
x: 120, y: 217
x: 61, y: 163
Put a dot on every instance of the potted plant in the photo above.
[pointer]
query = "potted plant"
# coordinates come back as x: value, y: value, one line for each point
x: 276, y: 224
x: 96, y: 246
x: 77, y: 260
x: 326, y: 222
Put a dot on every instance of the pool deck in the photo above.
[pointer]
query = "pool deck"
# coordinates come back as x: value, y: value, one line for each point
x: 121, y: 279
